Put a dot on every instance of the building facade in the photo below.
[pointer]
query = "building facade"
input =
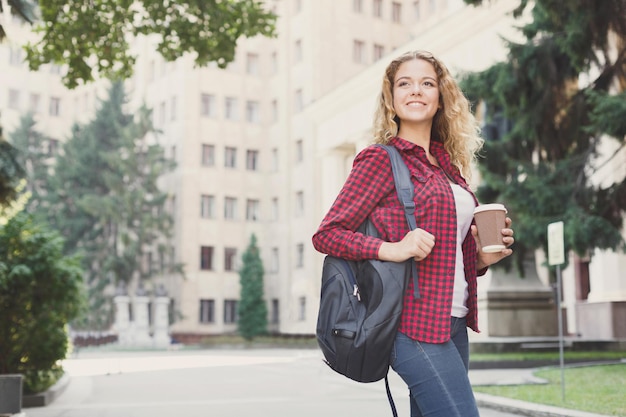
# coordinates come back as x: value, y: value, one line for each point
x: 263, y: 146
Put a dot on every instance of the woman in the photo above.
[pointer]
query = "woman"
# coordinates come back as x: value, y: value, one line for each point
x: 423, y: 113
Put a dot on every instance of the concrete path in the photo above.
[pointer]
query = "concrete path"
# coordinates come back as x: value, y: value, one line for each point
x: 219, y: 383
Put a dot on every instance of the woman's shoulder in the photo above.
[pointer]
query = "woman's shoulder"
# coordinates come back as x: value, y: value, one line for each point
x: 374, y: 150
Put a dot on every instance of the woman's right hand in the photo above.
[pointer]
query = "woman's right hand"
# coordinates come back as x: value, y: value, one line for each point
x: 416, y: 244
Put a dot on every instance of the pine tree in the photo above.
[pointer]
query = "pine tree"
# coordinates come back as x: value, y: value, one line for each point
x: 11, y: 172
x: 104, y: 198
x: 34, y: 154
x: 251, y: 308
x: 551, y: 108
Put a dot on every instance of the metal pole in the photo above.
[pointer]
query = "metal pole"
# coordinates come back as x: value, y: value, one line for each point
x: 560, y: 319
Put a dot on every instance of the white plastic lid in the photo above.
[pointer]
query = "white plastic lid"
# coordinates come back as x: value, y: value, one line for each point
x: 486, y: 207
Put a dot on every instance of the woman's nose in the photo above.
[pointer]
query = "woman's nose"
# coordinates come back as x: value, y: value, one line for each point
x: 416, y: 90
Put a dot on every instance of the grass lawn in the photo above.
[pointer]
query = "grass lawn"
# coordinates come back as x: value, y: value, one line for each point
x: 551, y: 355
x: 599, y: 389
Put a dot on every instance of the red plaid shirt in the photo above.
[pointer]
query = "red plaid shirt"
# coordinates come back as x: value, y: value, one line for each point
x: 369, y: 191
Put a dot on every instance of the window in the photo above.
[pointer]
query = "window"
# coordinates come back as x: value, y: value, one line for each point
x: 274, y: 261
x: 53, y: 147
x: 299, y: 208
x: 274, y: 60
x: 253, y: 112
x: 230, y: 259
x: 416, y: 9
x: 55, y: 106
x: 14, y: 99
x: 151, y: 70
x: 275, y: 211
x: 396, y: 12
x: 230, y: 208
x: 34, y: 105
x: 206, y: 258
x: 302, y: 310
x: 252, y: 210
x: 274, y: 110
x: 172, y: 206
x: 252, y: 63
x: 207, y: 206
x: 298, y: 6
x: 230, y: 108
x: 15, y: 57
x: 377, y: 8
x: 379, y: 52
x: 173, y: 108
x: 207, y: 105
x: 162, y: 113
x: 298, y: 101
x: 358, y: 52
x: 230, y: 157
x: 86, y: 105
x: 299, y: 151
x: 433, y: 5
x: 230, y: 311
x: 275, y: 312
x: 299, y: 255
x: 208, y: 155
x: 173, y: 152
x: 252, y: 160
x: 357, y: 6
x: 297, y: 51
x: 207, y: 311
x: 274, y: 159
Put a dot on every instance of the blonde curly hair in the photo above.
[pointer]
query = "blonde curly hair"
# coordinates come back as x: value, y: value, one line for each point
x: 454, y: 124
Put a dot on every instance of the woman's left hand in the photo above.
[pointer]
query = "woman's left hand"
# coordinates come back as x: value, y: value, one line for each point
x: 486, y: 259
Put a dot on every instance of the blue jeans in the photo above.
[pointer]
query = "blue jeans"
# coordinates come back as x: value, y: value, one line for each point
x: 436, y: 374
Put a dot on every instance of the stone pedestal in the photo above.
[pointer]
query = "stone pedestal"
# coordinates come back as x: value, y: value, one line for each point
x: 161, y: 337
x: 601, y: 320
x: 122, y: 319
x: 10, y: 393
x: 515, y: 306
x: 141, y: 323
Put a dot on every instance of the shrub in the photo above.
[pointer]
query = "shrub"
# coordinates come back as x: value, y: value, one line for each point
x: 40, y: 292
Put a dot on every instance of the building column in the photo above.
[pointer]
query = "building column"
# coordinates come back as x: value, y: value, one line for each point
x: 141, y: 324
x: 161, y: 337
x: 122, y: 317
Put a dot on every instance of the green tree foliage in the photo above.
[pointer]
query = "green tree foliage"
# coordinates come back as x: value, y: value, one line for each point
x: 105, y: 200
x: 252, y: 309
x: 92, y: 36
x: 33, y: 155
x: 549, y: 106
x: 41, y: 290
x: 11, y: 172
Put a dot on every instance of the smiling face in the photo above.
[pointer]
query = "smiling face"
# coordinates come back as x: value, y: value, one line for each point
x: 415, y: 94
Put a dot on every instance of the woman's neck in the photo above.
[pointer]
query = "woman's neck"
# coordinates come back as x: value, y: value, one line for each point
x: 417, y: 134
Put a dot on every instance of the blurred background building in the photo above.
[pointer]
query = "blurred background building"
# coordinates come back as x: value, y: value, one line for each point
x: 264, y: 145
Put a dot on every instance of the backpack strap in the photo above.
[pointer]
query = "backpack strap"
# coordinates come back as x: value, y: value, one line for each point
x: 405, y: 190
x: 390, y: 398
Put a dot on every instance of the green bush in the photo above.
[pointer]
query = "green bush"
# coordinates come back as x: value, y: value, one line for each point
x: 40, y: 292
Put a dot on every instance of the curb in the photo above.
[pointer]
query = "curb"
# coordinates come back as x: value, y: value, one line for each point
x: 41, y: 399
x: 524, y: 408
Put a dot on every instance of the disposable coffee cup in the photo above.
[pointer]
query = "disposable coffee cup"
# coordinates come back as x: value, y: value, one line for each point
x: 490, y: 220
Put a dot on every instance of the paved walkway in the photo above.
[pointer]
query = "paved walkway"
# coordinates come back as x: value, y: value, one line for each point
x: 238, y: 383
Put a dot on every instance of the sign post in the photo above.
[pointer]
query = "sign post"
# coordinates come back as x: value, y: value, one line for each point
x: 556, y: 257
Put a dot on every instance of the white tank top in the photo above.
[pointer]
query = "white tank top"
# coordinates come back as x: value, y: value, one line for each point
x: 464, y: 215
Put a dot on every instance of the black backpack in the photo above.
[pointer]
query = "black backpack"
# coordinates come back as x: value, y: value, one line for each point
x: 361, y: 301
